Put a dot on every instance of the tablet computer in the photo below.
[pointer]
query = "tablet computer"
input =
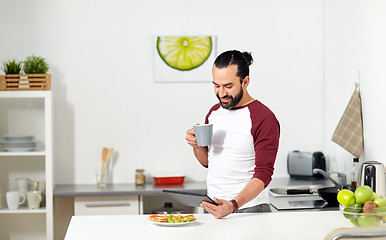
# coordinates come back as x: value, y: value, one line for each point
x: 188, y: 198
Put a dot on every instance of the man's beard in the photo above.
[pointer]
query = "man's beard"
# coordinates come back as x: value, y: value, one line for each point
x: 234, y: 100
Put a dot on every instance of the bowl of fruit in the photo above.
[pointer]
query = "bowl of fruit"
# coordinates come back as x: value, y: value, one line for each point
x: 363, y: 208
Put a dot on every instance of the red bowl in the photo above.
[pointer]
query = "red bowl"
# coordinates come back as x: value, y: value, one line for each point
x: 168, y: 180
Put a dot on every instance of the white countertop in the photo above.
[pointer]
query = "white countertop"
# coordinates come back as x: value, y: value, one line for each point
x: 276, y: 225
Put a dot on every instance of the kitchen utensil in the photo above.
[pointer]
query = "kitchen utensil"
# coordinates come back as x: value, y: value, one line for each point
x: 300, y: 191
x: 103, y: 166
x: 329, y: 194
x: 301, y: 164
x: 296, y: 203
x: 109, y: 155
x: 372, y: 174
x: 294, y: 191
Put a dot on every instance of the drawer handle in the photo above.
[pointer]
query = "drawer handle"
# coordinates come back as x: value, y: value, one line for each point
x: 107, y: 204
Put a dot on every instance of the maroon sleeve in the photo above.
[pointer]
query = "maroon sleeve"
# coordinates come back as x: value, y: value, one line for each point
x: 214, y: 108
x: 266, y: 133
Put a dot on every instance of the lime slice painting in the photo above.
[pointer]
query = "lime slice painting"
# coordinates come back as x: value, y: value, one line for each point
x: 183, y: 58
x: 184, y: 53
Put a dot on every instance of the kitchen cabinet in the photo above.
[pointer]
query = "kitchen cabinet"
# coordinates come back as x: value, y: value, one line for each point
x: 142, y: 199
x: 106, y: 205
x: 27, y: 113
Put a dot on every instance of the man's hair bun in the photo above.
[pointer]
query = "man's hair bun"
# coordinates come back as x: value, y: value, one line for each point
x: 248, y: 57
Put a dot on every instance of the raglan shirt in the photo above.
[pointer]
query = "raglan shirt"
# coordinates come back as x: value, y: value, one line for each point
x: 244, y: 146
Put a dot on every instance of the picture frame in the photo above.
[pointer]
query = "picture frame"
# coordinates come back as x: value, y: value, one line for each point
x: 181, y: 59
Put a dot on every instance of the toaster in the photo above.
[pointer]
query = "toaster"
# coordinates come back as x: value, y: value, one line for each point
x: 302, y: 164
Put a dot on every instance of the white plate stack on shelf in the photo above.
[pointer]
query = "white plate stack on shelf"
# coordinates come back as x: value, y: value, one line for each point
x: 18, y: 143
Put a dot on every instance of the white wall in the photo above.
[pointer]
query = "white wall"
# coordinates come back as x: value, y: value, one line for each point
x: 355, y: 41
x: 100, y: 54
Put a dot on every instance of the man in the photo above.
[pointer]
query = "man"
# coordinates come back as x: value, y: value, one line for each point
x: 245, y: 140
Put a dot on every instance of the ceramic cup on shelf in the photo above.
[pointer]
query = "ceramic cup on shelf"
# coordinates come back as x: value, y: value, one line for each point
x: 34, y: 198
x: 40, y: 185
x: 14, y: 199
x: 23, y: 185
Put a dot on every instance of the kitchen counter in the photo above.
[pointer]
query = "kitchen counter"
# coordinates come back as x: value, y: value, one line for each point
x: 72, y: 190
x: 277, y: 225
x: 146, y: 204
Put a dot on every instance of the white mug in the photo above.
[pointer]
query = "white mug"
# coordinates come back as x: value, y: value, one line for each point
x: 13, y: 200
x: 34, y: 199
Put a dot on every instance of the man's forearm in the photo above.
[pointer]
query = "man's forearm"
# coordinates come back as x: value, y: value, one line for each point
x: 250, y: 191
x: 201, y: 154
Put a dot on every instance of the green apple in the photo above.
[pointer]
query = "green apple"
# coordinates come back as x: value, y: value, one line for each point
x: 367, y: 221
x: 346, y: 197
x: 354, y: 221
x: 364, y: 194
x: 380, y: 202
x: 350, y: 212
x: 381, y: 207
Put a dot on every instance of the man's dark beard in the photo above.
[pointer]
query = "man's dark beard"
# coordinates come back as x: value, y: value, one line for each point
x: 234, y: 101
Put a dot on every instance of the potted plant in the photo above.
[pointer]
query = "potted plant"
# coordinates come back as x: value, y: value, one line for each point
x: 35, y: 65
x: 35, y: 75
x: 11, y: 67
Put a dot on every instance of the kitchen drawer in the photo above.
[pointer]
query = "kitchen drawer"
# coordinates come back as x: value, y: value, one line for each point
x: 106, y: 205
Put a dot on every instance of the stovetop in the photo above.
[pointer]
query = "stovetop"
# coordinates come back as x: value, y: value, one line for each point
x: 280, y: 200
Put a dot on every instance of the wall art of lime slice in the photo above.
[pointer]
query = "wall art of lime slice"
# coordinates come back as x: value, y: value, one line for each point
x: 186, y: 52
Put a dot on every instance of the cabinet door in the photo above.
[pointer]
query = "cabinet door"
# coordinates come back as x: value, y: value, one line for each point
x: 106, y: 205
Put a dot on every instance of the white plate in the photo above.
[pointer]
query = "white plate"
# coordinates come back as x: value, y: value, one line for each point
x: 173, y: 224
x: 19, y: 149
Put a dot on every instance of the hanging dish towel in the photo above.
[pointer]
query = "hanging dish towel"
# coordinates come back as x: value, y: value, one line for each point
x: 349, y: 132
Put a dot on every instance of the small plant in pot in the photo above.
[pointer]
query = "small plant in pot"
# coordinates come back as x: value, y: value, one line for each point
x: 11, y: 67
x: 35, y: 65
